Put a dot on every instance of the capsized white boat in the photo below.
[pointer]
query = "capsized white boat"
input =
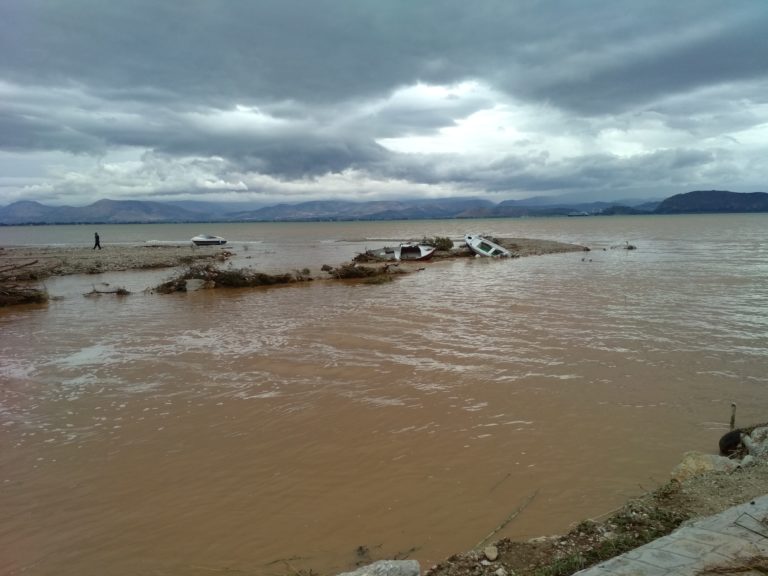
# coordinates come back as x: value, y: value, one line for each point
x: 484, y: 247
x: 208, y: 240
x: 405, y: 251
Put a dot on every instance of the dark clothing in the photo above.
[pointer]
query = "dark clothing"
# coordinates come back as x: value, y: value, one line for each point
x: 97, y: 242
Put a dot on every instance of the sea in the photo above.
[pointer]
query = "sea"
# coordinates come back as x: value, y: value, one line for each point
x: 319, y: 426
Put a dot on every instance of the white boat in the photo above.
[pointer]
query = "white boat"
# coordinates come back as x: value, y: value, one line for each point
x: 405, y: 251
x: 484, y: 247
x: 208, y: 240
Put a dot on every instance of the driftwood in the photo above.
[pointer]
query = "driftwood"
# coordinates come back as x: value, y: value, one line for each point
x: 118, y: 291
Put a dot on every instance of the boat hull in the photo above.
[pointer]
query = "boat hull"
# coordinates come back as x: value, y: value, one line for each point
x: 410, y: 252
x: 208, y: 240
x: 482, y: 246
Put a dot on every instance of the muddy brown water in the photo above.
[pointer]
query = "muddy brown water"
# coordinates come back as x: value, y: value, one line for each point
x: 315, y: 426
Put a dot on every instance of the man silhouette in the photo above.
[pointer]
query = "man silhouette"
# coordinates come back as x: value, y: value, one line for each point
x: 97, y: 242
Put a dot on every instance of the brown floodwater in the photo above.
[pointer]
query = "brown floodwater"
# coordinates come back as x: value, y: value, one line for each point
x: 312, y: 427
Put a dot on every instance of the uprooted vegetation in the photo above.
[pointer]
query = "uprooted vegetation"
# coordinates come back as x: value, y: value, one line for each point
x: 211, y: 276
x: 12, y: 293
x: 442, y: 243
x: 368, y: 274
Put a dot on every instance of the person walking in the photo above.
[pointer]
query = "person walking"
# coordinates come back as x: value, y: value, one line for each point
x: 97, y: 241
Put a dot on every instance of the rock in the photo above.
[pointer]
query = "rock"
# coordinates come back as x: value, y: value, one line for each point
x: 757, y: 442
x: 695, y: 463
x: 491, y: 553
x: 500, y: 572
x: 760, y: 435
x: 756, y: 449
x: 387, y: 568
x: 747, y: 461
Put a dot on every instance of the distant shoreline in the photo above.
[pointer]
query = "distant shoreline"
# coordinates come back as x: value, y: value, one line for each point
x: 106, y: 211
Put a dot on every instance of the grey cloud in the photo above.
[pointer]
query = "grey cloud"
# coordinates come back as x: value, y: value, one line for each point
x: 326, y: 50
x: 91, y: 76
x: 733, y: 53
x: 595, y: 172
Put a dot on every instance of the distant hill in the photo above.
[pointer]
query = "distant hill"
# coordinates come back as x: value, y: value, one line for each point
x: 537, y: 207
x: 707, y: 201
x: 134, y: 211
x: 102, y: 212
x: 374, y: 210
x: 26, y: 212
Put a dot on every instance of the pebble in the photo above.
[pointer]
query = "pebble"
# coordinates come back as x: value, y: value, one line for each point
x: 491, y: 553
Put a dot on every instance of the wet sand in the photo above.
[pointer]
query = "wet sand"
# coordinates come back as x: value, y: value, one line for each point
x: 36, y: 263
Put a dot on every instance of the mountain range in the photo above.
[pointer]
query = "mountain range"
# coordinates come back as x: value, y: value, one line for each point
x: 136, y: 211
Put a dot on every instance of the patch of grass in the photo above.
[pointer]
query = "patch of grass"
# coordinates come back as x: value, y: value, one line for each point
x: 563, y: 566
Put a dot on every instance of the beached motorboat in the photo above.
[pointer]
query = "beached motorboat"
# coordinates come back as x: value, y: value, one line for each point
x: 484, y: 247
x: 208, y: 240
x: 404, y: 251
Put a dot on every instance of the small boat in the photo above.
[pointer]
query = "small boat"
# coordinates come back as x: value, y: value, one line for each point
x: 208, y: 240
x: 405, y: 251
x: 484, y: 247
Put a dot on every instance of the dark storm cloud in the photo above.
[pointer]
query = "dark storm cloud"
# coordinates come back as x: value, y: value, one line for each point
x: 733, y: 52
x: 589, y: 55
x: 298, y: 89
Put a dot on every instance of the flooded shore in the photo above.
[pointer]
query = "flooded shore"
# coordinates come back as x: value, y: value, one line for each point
x: 242, y: 429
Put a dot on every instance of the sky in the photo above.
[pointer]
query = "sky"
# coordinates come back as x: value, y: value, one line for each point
x: 295, y: 100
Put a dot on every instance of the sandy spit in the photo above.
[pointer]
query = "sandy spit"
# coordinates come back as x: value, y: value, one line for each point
x: 36, y: 263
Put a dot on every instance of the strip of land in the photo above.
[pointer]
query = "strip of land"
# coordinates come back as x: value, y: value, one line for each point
x: 29, y: 263
x: 66, y: 260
